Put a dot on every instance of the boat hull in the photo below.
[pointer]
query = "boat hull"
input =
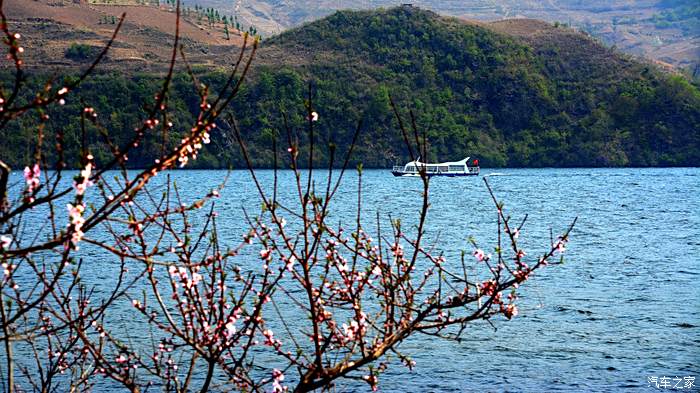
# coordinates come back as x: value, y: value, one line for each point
x: 405, y: 174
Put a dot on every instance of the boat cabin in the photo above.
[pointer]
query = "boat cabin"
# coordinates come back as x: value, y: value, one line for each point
x: 455, y: 168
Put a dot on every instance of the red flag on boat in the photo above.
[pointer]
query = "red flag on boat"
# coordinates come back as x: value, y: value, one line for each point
x: 476, y: 162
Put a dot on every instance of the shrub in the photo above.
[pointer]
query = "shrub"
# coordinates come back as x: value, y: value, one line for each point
x: 77, y: 51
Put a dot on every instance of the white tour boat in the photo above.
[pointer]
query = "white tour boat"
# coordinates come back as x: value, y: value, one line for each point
x: 449, y: 169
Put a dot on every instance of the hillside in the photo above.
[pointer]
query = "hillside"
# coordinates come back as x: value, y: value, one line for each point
x: 663, y: 30
x: 51, y: 27
x: 515, y: 93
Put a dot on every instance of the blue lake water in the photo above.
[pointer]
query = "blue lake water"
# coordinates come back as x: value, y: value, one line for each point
x: 624, y: 307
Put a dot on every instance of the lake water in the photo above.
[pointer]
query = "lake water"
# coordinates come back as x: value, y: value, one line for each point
x: 625, y: 306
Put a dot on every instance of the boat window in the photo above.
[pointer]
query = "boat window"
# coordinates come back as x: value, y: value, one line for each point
x: 456, y: 168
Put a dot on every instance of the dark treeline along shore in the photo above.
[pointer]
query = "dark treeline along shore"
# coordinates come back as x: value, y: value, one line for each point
x: 517, y: 93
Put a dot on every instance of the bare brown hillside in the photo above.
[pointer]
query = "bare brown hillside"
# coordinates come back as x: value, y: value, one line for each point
x: 548, y: 37
x: 49, y: 28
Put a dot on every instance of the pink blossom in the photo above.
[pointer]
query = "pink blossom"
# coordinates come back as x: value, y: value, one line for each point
x: 82, y: 181
x: 290, y: 263
x: 479, y: 255
x: 277, y: 378
x: 372, y: 380
x: 76, y: 220
x: 356, y: 329
x: 230, y: 328
x: 349, y: 330
x: 488, y: 287
x: 5, y: 242
x: 515, y: 233
x: 31, y: 177
x: 269, y: 338
x: 397, y: 250
x: 560, y: 246
x: 521, y: 275
x: 190, y: 146
x: 510, y: 311
x: 7, y: 269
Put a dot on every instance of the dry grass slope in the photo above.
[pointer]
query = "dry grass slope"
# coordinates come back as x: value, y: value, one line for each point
x: 125, y: 2
x: 49, y: 28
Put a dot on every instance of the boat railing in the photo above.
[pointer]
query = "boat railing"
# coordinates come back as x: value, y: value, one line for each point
x: 432, y: 169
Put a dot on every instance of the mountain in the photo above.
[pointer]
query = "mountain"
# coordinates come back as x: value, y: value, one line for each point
x: 517, y: 92
x: 511, y: 93
x: 663, y: 30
